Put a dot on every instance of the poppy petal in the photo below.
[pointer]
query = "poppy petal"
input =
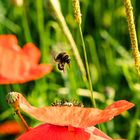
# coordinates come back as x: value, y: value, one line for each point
x: 32, y: 52
x: 97, y: 132
x: 10, y: 127
x: 73, y: 116
x: 38, y: 72
x: 14, y: 65
x: 9, y: 41
x: 111, y: 111
x: 21, y: 65
x: 53, y: 132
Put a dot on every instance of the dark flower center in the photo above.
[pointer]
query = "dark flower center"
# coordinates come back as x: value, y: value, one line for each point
x: 67, y: 103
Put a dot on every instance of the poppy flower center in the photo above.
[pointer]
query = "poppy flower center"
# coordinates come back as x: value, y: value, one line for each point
x: 68, y: 103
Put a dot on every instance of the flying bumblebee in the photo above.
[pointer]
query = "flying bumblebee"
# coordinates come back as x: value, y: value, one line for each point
x: 62, y: 59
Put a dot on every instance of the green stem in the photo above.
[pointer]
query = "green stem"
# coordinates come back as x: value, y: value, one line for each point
x: 133, y: 125
x: 41, y: 30
x: 87, y: 66
x: 25, y: 24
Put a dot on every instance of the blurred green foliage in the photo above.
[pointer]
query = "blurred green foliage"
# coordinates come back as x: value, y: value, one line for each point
x: 109, y: 55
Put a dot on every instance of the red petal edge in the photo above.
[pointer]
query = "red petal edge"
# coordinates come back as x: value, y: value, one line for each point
x: 53, y: 132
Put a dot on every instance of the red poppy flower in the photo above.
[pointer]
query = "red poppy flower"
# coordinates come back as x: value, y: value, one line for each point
x: 55, y: 132
x: 70, y: 123
x: 19, y: 65
x: 10, y: 127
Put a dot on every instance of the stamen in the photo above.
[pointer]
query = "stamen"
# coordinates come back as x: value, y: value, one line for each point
x: 67, y: 103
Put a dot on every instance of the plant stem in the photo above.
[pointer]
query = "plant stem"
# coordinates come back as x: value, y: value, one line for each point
x: 56, y: 11
x: 132, y: 32
x: 41, y: 29
x: 87, y: 66
x: 23, y: 122
x: 13, y: 100
x: 133, y: 125
x: 25, y: 24
x: 15, y: 105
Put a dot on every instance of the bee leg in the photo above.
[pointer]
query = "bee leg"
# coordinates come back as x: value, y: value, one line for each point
x: 61, y: 66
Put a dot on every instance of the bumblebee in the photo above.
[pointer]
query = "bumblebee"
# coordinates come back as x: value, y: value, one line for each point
x: 62, y: 59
